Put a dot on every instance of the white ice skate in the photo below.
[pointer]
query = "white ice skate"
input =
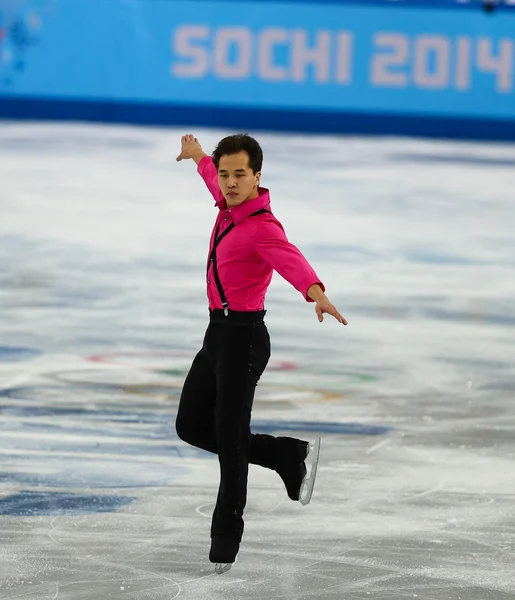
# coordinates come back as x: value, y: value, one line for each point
x: 308, y: 483
x: 222, y: 567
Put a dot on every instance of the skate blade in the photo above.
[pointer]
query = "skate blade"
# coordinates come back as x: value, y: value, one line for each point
x: 306, y: 489
x: 222, y: 567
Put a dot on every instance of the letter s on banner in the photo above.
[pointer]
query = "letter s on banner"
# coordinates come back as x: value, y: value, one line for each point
x: 185, y: 44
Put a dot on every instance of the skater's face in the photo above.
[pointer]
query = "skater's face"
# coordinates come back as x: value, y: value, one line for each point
x: 236, y: 179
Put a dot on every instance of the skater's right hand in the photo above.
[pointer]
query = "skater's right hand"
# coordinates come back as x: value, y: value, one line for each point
x: 191, y: 149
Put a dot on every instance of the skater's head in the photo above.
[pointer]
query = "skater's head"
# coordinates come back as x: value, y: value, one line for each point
x: 238, y: 159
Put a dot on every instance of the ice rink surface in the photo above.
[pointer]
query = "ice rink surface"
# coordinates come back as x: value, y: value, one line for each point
x: 103, y: 244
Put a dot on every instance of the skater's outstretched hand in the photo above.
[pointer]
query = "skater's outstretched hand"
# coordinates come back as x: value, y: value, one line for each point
x: 191, y: 148
x: 323, y: 305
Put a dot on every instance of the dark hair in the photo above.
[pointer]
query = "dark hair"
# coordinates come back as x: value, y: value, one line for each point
x: 236, y: 143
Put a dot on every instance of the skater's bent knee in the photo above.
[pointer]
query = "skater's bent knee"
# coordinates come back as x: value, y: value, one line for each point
x: 194, y: 437
x: 183, y: 431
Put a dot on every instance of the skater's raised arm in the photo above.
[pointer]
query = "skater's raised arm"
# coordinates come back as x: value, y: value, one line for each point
x: 191, y: 148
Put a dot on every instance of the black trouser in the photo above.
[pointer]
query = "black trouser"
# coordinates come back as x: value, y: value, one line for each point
x: 215, y: 408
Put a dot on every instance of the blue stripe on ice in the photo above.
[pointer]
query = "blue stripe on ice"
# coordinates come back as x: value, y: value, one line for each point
x: 34, y: 504
x: 262, y: 426
x: 17, y: 354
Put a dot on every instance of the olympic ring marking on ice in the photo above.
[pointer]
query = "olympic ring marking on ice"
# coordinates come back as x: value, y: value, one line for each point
x: 111, y: 358
x: 265, y: 392
x: 180, y: 370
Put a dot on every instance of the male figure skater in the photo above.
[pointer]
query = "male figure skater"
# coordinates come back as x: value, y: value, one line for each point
x: 246, y: 245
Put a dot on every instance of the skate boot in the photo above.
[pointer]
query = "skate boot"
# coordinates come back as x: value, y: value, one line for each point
x: 299, y: 475
x: 223, y: 553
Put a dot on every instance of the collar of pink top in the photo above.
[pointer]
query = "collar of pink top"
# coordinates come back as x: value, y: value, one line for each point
x: 242, y: 211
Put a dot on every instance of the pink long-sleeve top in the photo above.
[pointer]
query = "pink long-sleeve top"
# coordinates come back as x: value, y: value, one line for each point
x: 251, y: 251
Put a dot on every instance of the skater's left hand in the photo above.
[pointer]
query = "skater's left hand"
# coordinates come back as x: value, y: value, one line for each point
x: 323, y: 305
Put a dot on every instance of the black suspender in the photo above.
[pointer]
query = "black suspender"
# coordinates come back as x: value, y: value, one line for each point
x: 212, y: 258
